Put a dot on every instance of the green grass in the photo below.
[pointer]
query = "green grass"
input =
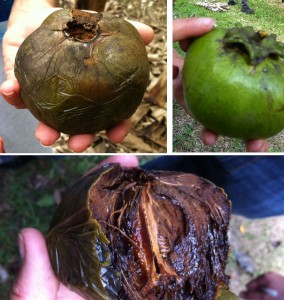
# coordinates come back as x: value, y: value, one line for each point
x: 186, y: 137
x: 28, y: 200
x: 269, y: 16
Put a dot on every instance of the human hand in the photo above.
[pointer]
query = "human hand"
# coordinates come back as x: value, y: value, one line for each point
x: 22, y: 22
x: 2, y: 149
x: 264, y: 287
x: 184, y: 30
x: 36, y: 279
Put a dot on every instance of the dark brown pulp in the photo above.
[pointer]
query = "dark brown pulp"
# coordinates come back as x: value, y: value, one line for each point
x: 133, y: 234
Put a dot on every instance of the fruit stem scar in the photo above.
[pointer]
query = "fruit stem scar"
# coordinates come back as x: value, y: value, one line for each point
x: 83, y: 27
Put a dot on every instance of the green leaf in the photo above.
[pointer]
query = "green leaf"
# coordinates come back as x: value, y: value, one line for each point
x: 45, y: 201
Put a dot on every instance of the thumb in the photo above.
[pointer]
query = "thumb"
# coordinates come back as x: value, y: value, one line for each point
x: 36, y: 279
x: 129, y: 161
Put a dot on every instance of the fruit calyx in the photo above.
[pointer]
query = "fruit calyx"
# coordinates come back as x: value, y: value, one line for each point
x: 83, y: 27
x: 256, y: 45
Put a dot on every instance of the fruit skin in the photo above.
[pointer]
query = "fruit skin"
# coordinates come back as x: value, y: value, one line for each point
x: 230, y: 96
x: 77, y: 86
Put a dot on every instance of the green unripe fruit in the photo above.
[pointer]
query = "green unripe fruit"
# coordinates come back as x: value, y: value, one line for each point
x: 234, y: 82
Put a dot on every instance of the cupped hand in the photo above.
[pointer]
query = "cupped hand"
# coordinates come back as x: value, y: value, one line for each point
x: 184, y: 30
x: 269, y: 286
x: 23, y: 21
x: 36, y: 279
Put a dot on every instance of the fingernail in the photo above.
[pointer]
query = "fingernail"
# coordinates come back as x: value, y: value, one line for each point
x: 261, y: 147
x: 8, y: 94
x: 21, y: 246
x: 209, y: 21
x: 214, y: 25
x: 255, y: 146
x: 265, y: 147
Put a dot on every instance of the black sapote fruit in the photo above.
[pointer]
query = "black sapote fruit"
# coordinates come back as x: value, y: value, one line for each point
x: 234, y: 82
x: 82, y: 72
x: 126, y: 233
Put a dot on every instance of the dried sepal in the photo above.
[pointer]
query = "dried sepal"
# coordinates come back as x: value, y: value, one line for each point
x: 257, y: 45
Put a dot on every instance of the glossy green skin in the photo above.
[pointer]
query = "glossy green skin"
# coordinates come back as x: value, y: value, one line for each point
x: 82, y: 87
x: 228, y: 95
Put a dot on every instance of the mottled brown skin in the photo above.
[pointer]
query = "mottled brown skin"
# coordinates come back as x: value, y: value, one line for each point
x: 81, y: 72
x: 167, y: 234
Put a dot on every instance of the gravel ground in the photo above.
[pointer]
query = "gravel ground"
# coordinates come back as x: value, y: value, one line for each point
x: 257, y: 246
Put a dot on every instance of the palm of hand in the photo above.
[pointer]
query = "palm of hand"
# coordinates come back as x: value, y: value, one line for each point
x: 16, y: 34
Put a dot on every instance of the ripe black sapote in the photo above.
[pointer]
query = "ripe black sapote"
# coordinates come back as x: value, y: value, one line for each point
x: 127, y: 233
x: 82, y: 72
x: 234, y: 82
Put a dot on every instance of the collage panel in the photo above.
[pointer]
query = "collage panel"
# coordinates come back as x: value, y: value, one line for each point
x: 142, y: 227
x: 228, y: 76
x: 96, y: 82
